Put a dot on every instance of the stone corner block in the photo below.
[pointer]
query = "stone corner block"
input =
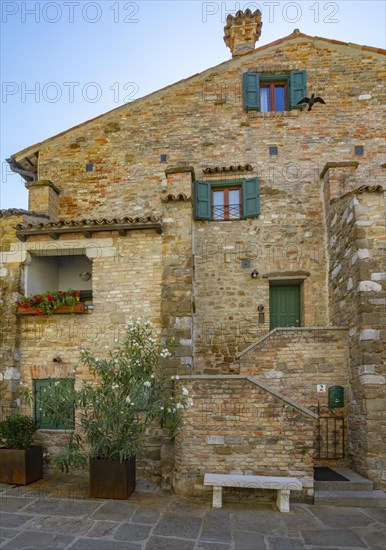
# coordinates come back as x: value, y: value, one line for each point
x: 369, y: 286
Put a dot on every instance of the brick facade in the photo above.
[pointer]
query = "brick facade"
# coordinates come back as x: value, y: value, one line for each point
x: 237, y: 427
x: 193, y: 279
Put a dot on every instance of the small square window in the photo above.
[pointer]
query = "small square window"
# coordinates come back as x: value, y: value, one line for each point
x: 359, y: 149
x: 266, y: 92
x: 89, y: 167
x: 163, y: 158
x: 43, y: 419
x: 234, y: 200
x: 273, y: 96
x: 226, y: 203
x: 273, y: 150
x: 245, y: 264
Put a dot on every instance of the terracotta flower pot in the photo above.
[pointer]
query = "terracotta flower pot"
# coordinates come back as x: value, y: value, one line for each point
x: 76, y: 308
x: 112, y: 479
x: 19, y: 466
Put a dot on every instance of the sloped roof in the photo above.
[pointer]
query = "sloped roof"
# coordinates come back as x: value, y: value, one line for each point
x: 87, y: 226
x: 33, y: 149
x: 9, y: 212
x: 359, y: 191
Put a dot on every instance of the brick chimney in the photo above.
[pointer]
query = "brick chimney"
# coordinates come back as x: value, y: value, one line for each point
x: 43, y: 197
x: 242, y: 31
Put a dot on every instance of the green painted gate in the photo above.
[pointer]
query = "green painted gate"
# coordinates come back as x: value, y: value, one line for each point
x: 284, y: 306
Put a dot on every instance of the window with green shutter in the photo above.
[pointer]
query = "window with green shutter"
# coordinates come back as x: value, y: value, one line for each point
x: 225, y: 201
x: 202, y: 201
x: 281, y: 92
x: 43, y: 419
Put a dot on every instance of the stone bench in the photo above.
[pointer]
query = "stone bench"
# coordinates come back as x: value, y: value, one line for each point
x: 283, y: 485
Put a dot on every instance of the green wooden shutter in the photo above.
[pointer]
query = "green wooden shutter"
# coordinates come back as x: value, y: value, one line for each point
x: 251, y: 198
x: 297, y: 88
x: 42, y: 419
x: 202, y: 200
x: 251, y: 91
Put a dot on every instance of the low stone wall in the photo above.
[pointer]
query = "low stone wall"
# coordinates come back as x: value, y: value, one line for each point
x: 235, y: 426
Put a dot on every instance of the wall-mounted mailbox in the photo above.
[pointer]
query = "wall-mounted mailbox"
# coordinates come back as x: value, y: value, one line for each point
x: 335, y: 397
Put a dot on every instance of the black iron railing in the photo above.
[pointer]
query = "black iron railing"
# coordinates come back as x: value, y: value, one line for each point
x: 226, y: 212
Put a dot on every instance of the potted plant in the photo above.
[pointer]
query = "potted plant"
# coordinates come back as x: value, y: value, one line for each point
x: 127, y: 392
x: 20, y: 462
x: 51, y: 301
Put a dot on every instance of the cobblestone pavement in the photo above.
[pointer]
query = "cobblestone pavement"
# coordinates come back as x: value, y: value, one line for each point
x: 57, y: 514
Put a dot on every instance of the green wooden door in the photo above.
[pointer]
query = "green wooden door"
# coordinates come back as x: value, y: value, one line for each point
x: 284, y: 306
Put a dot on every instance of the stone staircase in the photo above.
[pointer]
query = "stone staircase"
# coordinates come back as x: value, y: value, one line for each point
x: 357, y: 491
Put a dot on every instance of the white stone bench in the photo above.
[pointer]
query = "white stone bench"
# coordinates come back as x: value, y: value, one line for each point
x: 283, y: 485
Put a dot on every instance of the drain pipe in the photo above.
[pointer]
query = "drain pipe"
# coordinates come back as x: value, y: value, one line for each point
x: 18, y: 169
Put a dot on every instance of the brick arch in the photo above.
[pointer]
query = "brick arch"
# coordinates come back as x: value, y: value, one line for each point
x: 56, y: 370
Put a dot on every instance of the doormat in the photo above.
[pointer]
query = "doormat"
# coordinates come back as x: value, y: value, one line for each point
x: 323, y: 473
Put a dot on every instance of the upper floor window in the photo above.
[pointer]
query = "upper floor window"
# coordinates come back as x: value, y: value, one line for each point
x: 273, y: 97
x: 264, y: 93
x: 226, y: 201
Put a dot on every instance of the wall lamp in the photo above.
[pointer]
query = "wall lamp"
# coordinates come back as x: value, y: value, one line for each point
x: 254, y: 274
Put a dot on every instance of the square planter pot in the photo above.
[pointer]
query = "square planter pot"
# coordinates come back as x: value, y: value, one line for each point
x: 19, y: 466
x: 111, y: 479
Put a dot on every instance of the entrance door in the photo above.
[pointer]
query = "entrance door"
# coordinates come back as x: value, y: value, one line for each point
x: 284, y: 306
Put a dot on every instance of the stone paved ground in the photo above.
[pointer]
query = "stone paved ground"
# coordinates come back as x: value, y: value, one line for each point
x: 56, y: 514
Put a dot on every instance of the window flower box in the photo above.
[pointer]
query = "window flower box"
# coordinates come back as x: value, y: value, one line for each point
x: 80, y: 307
x: 51, y: 301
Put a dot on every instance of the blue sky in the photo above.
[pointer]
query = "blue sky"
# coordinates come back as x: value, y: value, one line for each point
x: 64, y: 62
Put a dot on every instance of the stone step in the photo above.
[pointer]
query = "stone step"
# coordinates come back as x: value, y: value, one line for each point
x: 361, y: 499
x: 332, y: 486
x: 355, y: 482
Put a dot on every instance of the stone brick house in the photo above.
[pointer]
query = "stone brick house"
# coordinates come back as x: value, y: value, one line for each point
x: 247, y: 227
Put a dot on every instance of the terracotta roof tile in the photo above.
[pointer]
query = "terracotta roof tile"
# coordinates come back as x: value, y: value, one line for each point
x: 7, y: 213
x: 174, y: 198
x: 232, y: 168
x: 85, y: 223
x: 359, y: 191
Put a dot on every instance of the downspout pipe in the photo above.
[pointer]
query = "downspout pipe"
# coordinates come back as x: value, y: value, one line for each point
x: 18, y: 169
